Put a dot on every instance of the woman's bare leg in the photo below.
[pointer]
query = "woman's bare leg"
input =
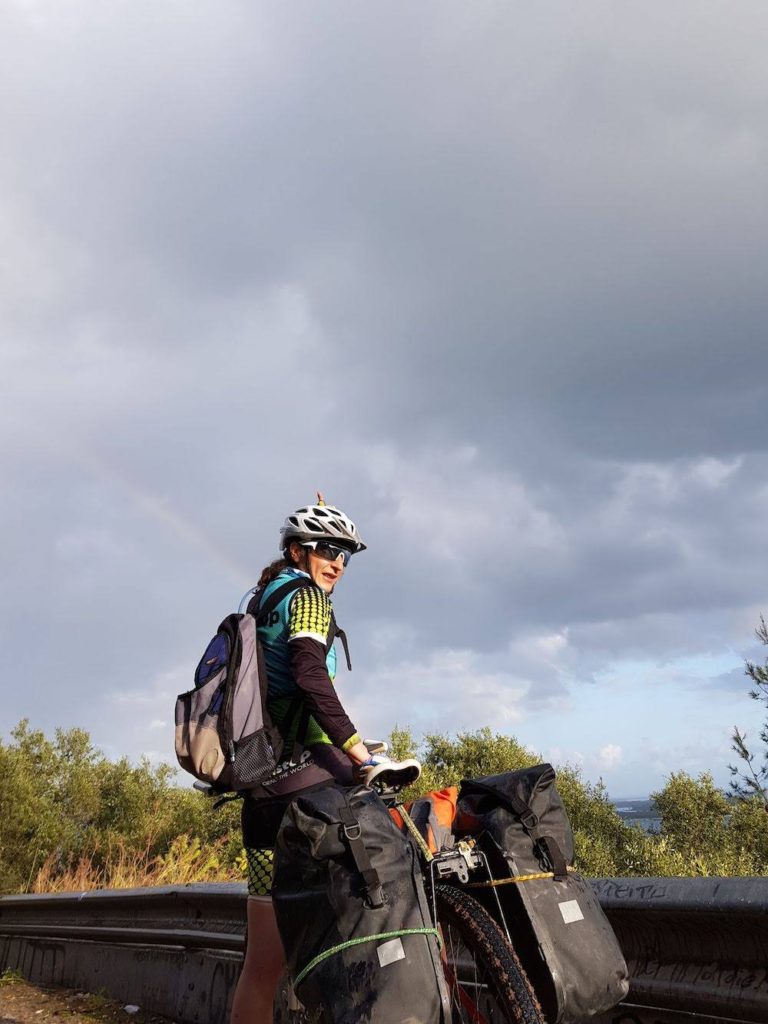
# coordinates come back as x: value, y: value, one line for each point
x: 262, y: 966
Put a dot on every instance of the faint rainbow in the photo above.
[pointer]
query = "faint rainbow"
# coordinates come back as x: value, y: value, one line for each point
x: 157, y: 508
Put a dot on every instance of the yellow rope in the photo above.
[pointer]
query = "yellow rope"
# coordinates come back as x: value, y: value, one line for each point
x: 514, y: 879
x: 411, y: 826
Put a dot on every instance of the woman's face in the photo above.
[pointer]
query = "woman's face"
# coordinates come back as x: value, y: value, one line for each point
x: 325, y: 573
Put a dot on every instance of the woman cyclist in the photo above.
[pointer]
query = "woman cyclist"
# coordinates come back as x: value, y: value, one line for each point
x: 321, y: 745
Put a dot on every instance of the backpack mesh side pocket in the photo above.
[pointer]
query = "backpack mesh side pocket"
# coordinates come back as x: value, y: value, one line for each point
x: 254, y: 760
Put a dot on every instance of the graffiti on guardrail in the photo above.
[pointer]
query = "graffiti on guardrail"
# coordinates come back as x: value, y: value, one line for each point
x: 628, y: 891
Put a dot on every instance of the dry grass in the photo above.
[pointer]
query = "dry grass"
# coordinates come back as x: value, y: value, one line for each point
x: 24, y: 1003
x: 119, y: 867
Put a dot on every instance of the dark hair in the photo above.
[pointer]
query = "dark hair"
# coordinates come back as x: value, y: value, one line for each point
x: 272, y: 571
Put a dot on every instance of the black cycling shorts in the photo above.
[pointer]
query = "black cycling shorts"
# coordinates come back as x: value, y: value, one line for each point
x: 261, y: 815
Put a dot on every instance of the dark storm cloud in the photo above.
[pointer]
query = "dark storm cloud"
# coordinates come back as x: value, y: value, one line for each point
x: 492, y: 276
x: 574, y: 236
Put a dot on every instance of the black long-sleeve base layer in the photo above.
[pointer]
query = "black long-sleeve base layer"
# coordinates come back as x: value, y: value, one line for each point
x: 307, y: 660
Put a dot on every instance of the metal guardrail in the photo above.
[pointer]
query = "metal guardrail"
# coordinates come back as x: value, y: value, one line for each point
x: 693, y: 945
x: 172, y: 950
x: 697, y: 948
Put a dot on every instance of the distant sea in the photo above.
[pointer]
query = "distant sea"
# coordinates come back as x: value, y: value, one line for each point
x: 639, y: 812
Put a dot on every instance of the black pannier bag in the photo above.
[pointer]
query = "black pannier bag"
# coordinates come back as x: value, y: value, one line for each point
x: 558, y: 927
x: 353, y: 915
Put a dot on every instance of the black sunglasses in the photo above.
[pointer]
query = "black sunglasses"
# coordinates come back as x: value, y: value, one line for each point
x: 325, y: 549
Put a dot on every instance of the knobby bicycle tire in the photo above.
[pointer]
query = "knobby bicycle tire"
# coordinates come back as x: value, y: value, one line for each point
x: 485, y: 978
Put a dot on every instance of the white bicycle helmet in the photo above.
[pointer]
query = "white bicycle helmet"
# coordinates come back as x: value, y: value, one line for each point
x: 315, y: 522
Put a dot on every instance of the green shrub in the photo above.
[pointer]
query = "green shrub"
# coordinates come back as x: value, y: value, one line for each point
x: 68, y: 814
x: 62, y: 801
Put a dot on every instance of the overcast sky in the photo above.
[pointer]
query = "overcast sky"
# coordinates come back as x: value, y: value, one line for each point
x: 492, y: 276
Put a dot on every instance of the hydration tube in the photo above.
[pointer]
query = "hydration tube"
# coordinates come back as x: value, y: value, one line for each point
x: 244, y: 599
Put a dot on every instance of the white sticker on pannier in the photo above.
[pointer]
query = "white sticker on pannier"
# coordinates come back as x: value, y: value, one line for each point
x: 390, y: 952
x: 571, y: 911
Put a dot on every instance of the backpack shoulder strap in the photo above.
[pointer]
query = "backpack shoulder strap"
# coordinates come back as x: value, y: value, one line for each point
x: 257, y: 609
x: 298, y: 706
x: 334, y: 631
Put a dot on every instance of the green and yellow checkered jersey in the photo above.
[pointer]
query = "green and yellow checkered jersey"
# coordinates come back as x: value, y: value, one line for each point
x: 293, y: 630
x: 305, y: 612
x: 309, y: 615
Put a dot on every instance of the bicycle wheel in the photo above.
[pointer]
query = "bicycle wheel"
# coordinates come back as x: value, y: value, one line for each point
x: 485, y: 979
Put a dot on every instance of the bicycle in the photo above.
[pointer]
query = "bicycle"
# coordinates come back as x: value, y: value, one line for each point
x: 486, y: 982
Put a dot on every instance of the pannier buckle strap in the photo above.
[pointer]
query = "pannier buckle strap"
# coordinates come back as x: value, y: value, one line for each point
x: 555, y: 857
x: 373, y: 888
x: 352, y: 831
x: 529, y: 819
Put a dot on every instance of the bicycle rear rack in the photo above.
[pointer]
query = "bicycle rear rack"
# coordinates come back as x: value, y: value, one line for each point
x: 458, y: 862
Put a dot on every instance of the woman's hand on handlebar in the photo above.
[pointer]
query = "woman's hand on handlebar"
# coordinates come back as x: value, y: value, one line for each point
x: 358, y: 754
x: 380, y: 768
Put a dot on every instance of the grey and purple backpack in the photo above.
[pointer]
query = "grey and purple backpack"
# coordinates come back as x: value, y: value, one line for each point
x: 225, y: 736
